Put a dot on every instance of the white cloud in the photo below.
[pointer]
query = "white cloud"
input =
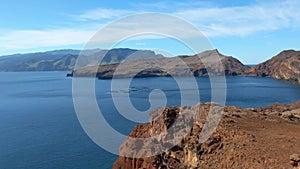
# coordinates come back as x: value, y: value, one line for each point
x: 244, y: 20
x: 24, y: 39
x: 212, y: 21
x: 219, y: 21
x: 172, y: 5
x: 102, y: 13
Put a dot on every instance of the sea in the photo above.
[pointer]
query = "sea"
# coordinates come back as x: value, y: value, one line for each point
x: 39, y: 128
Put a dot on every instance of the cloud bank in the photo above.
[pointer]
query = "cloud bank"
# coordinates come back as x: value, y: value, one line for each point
x: 212, y: 21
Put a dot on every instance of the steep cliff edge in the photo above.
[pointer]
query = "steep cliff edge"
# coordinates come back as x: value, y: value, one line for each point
x: 245, y: 138
x: 285, y: 65
x: 197, y: 65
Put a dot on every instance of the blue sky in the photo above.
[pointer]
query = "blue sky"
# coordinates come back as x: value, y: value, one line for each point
x: 250, y: 30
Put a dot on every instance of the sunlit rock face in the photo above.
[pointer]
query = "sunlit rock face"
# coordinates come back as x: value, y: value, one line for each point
x: 245, y: 138
x: 285, y: 65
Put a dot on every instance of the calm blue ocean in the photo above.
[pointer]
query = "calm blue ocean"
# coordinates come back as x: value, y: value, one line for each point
x: 39, y: 128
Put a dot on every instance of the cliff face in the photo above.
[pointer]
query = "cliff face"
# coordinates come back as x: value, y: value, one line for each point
x: 285, y: 65
x: 176, y: 66
x: 245, y: 138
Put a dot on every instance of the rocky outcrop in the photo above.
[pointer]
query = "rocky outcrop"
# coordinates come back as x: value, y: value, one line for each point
x: 285, y: 65
x: 202, y: 64
x: 124, y: 62
x: 244, y: 138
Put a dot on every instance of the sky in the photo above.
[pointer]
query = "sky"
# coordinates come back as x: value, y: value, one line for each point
x: 250, y: 30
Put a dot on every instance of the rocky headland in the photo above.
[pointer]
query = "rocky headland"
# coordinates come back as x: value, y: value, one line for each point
x: 202, y: 64
x: 125, y: 62
x: 285, y: 65
x: 244, y: 138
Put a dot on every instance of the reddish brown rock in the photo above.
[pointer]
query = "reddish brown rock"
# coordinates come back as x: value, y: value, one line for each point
x: 285, y: 65
x: 197, y: 65
x: 244, y: 138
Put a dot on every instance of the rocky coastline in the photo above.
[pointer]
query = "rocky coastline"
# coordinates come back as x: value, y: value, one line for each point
x: 285, y: 66
x: 245, y: 138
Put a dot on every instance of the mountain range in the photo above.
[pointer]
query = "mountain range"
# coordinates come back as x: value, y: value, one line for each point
x: 146, y: 63
x: 285, y: 65
x: 63, y: 60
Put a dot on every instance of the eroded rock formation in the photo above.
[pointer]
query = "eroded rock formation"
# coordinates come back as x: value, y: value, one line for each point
x: 244, y: 138
x: 285, y: 65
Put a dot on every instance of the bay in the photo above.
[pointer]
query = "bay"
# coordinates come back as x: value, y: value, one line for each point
x: 39, y: 127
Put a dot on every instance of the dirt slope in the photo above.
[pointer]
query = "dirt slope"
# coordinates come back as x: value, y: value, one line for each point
x: 245, y: 138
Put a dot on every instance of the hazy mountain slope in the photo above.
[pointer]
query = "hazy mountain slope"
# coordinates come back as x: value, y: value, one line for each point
x: 37, y: 61
x: 66, y: 59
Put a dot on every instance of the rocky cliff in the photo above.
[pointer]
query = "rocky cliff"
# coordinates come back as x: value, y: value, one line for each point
x: 245, y: 138
x: 285, y: 65
x: 198, y: 65
x: 146, y: 63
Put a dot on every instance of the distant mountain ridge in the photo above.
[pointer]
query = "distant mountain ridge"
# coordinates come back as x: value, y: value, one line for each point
x: 36, y: 61
x: 63, y: 60
x: 175, y: 66
x: 193, y: 66
x: 285, y: 65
